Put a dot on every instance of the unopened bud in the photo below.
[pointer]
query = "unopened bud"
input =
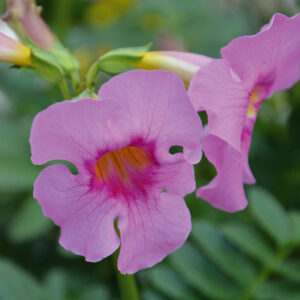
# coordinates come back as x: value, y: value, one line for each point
x: 184, y: 64
x: 24, y: 18
x: 13, y: 52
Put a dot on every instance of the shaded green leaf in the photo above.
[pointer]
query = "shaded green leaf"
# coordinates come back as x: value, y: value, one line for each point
x: 278, y: 290
x: 151, y: 295
x: 16, y: 284
x: 201, y: 274
x: 16, y: 175
x: 290, y: 269
x: 295, y: 224
x: 169, y: 283
x: 55, y: 285
x: 249, y: 240
x: 221, y: 253
x: 95, y: 293
x: 269, y: 214
x: 65, y: 253
x: 13, y: 139
x: 29, y: 222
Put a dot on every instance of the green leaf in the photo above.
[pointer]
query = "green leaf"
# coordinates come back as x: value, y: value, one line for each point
x: 295, y: 224
x: 290, y: 269
x: 16, y: 284
x: 169, y: 283
x: 14, y: 136
x: 29, y: 222
x: 56, y: 285
x: 17, y: 175
x: 16, y: 172
x: 222, y: 254
x: 278, y: 290
x: 148, y: 294
x: 95, y: 293
x: 201, y: 274
x: 270, y: 215
x: 65, y: 253
x: 249, y: 240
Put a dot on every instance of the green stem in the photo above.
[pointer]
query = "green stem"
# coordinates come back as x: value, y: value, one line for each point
x: 65, y: 90
x: 92, y: 75
x: 266, y: 272
x: 127, y: 284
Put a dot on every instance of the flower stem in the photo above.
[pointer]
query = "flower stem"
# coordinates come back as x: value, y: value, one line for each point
x: 63, y: 86
x: 127, y: 284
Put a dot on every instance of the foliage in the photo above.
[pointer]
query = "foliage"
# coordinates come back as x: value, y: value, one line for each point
x: 236, y: 260
x: 252, y: 254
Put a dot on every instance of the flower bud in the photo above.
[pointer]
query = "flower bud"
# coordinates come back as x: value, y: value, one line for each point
x: 24, y: 17
x: 13, y: 52
x: 184, y: 64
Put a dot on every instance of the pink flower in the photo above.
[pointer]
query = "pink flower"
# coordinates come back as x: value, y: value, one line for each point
x: 120, y: 147
x: 13, y: 52
x: 231, y: 90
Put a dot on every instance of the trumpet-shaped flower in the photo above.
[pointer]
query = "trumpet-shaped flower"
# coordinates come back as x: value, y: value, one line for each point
x: 120, y: 145
x: 13, y: 52
x: 231, y: 90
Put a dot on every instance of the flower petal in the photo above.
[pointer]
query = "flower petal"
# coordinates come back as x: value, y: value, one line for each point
x: 86, y: 218
x: 226, y: 190
x: 158, y: 109
x: 246, y: 142
x: 177, y: 178
x: 271, y: 56
x: 152, y: 228
x: 218, y: 91
x: 72, y: 130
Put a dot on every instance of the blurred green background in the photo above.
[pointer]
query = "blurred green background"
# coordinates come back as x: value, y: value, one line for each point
x: 252, y: 254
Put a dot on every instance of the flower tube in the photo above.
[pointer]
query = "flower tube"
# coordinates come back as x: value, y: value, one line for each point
x: 184, y: 64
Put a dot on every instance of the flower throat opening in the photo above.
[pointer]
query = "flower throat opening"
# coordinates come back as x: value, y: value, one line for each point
x: 122, y: 164
x: 255, y: 98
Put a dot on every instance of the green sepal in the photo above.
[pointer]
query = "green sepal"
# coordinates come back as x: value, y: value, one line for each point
x: 116, y: 61
x: 121, y: 60
x: 52, y: 65
x: 87, y: 93
x: 64, y: 58
x: 45, y: 64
